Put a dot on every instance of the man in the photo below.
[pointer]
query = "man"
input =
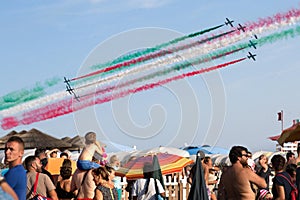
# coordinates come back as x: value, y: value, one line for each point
x: 236, y: 182
x: 204, y: 167
x: 290, y: 158
x: 83, y: 182
x: 16, y: 175
x: 45, y: 187
x: 41, y: 154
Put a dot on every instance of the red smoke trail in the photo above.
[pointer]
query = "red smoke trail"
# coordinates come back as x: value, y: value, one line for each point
x: 162, y: 72
x: 67, y: 106
x: 277, y: 18
x: 152, y: 56
x: 268, y: 21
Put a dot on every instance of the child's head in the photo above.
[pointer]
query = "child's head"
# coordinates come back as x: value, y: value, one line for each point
x: 90, y: 138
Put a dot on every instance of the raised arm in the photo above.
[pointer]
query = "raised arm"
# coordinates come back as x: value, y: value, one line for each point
x: 99, y: 148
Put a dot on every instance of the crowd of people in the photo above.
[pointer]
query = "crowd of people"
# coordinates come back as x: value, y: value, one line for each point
x: 241, y: 181
x: 96, y: 179
x: 30, y: 179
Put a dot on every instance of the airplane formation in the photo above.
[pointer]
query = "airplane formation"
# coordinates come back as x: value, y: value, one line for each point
x: 242, y: 28
x: 70, y: 89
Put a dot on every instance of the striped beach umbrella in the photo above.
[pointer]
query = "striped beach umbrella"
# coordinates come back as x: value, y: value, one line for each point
x: 169, y: 163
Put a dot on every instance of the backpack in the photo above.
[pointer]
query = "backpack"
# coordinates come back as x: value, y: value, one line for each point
x: 294, y: 192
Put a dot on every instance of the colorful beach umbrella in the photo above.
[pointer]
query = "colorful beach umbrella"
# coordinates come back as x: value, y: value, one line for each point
x: 156, y: 150
x: 169, y: 164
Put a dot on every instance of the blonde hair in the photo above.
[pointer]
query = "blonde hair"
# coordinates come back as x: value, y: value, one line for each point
x: 90, y: 138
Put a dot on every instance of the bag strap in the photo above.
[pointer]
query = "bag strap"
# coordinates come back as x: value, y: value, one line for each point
x: 35, y: 183
x: 85, y: 174
x: 287, y: 180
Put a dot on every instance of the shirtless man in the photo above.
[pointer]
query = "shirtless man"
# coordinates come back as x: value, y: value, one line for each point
x: 83, y: 185
x: 236, y: 182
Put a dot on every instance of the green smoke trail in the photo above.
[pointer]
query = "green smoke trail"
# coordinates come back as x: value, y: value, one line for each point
x: 153, y: 49
x: 271, y: 38
x: 25, y: 95
x: 142, y: 59
x: 285, y: 34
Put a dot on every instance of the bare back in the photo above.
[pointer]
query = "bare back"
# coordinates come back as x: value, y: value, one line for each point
x: 237, y: 181
x: 89, y: 151
x: 87, y: 187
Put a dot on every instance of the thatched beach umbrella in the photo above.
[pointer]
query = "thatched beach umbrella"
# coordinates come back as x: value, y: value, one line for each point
x: 78, y: 142
x: 36, y: 139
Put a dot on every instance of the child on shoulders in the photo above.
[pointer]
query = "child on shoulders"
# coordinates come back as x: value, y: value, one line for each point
x: 84, y: 161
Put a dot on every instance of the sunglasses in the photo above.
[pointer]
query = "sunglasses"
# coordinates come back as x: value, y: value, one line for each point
x: 246, y: 155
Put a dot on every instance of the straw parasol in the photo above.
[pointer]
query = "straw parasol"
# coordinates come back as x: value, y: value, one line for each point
x: 78, y: 142
x: 35, y: 139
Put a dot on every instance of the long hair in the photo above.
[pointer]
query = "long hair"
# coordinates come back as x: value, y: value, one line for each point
x: 66, y: 169
x: 101, y: 171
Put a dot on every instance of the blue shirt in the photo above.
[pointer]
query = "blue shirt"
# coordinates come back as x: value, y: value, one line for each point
x: 16, y: 178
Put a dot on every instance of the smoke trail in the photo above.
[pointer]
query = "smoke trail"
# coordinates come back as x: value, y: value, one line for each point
x: 155, y: 64
x: 271, y: 38
x: 164, y: 72
x: 25, y: 95
x: 153, y: 49
x: 265, y: 24
x: 150, y: 56
x: 65, y: 106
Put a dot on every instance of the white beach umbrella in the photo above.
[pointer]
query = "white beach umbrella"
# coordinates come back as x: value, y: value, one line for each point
x: 169, y: 150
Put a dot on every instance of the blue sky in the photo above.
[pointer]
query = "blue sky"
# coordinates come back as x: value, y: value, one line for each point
x: 44, y: 39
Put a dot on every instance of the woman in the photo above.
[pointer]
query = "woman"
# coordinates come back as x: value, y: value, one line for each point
x: 114, y: 162
x: 104, y: 189
x: 212, y: 179
x: 282, y: 186
x: 63, y: 187
x: 263, y: 169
